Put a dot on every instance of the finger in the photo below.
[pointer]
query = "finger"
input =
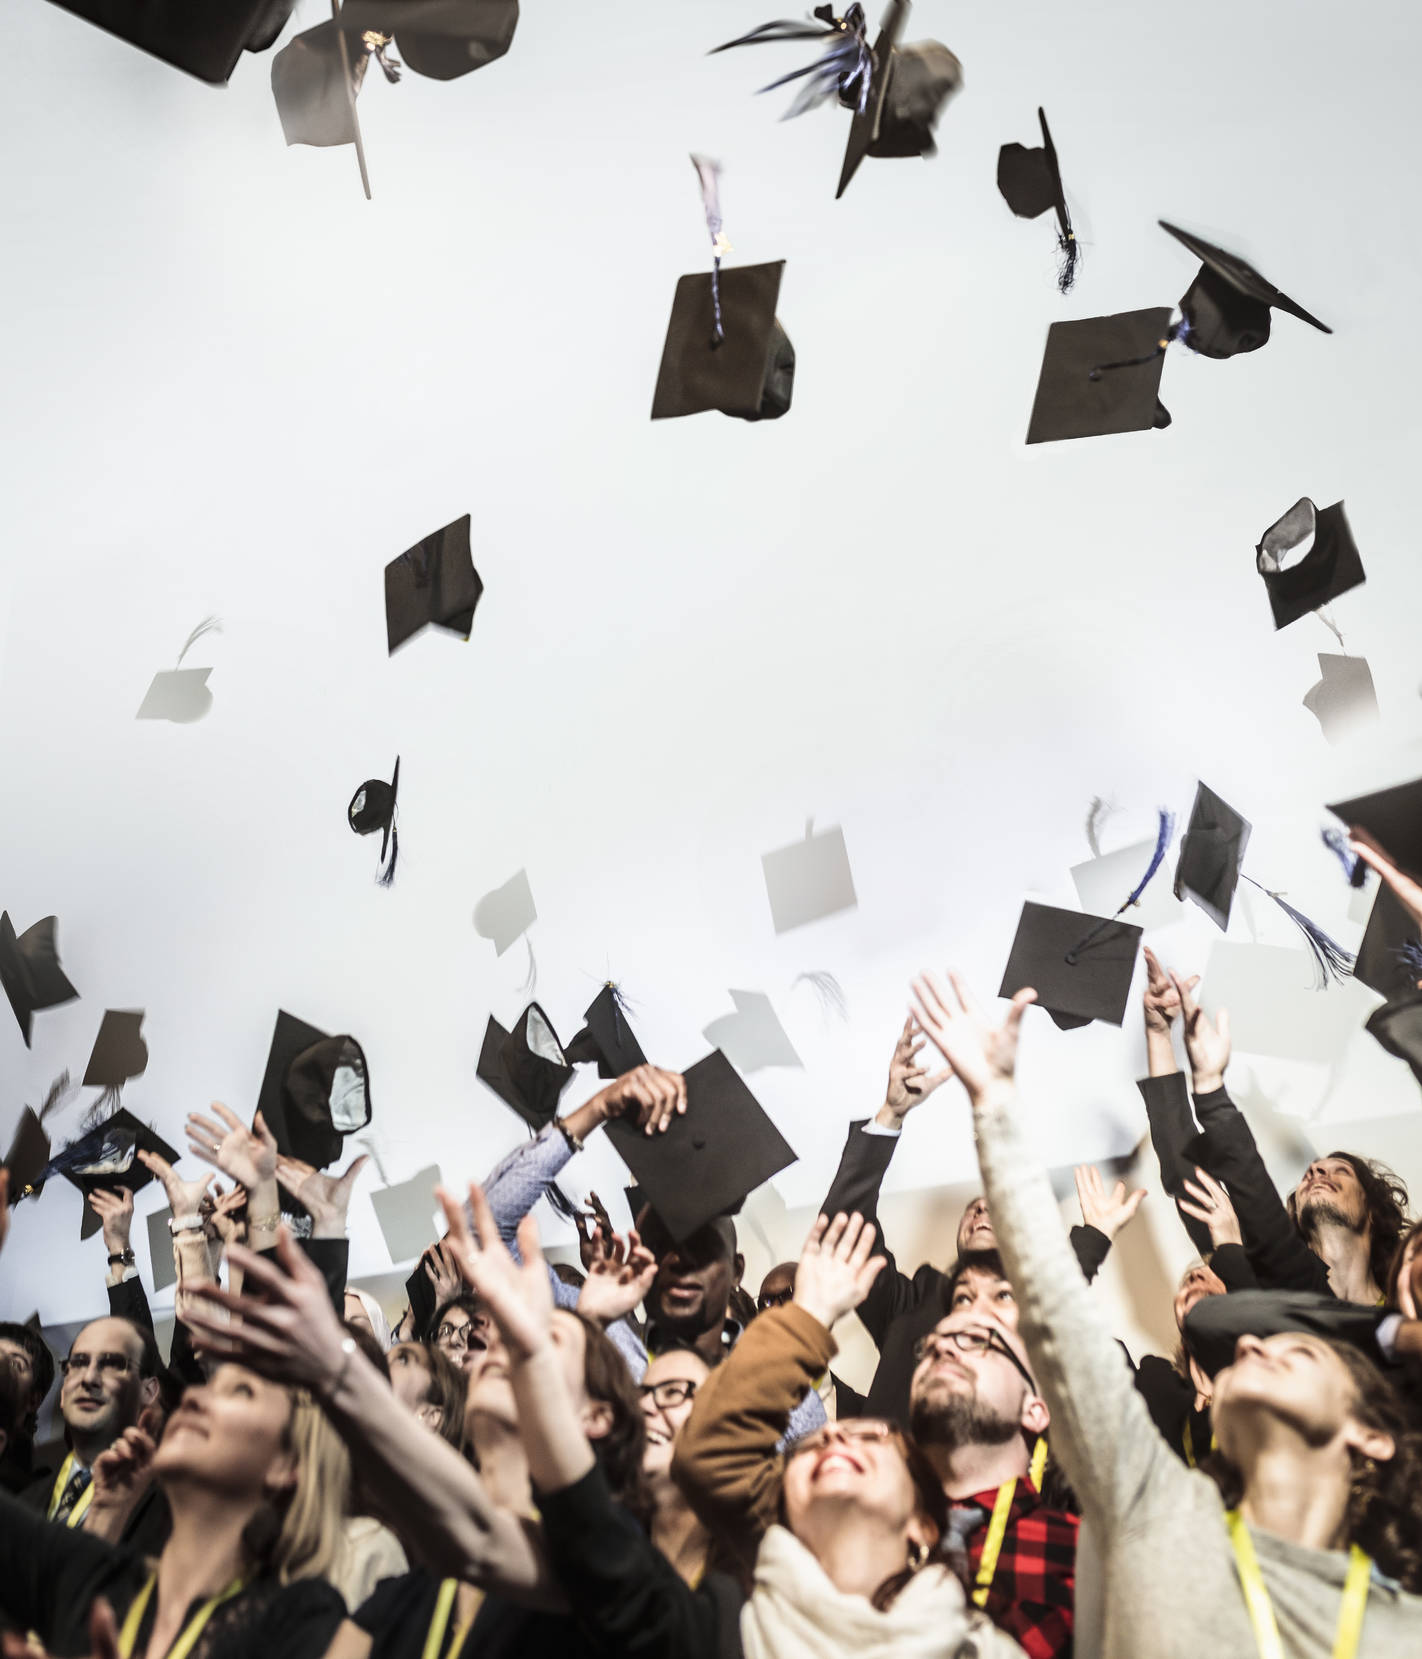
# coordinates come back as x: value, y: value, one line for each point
x: 458, y: 1242
x: 863, y: 1245
x: 1193, y: 981
x: 844, y: 1250
x: 1134, y: 1202
x: 834, y: 1232
x: 1194, y: 1211
x: 154, y: 1164
x: 484, y: 1222
x: 867, y: 1275
x: 103, y: 1630
x: 530, y: 1247
x: 1187, y: 1002
x: 932, y: 997
x: 1083, y: 1189
x: 1222, y: 1024
x: 1012, y: 1025
x: 1118, y: 1192
x: 1197, y: 1192
x: 814, y: 1241
x: 263, y: 1134
x: 228, y: 1116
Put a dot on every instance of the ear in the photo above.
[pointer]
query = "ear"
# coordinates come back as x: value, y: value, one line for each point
x: 1377, y: 1444
x: 1036, y: 1419
x: 738, y: 1268
x: 148, y: 1392
x: 597, y: 1420
x: 281, y: 1477
x: 921, y: 1530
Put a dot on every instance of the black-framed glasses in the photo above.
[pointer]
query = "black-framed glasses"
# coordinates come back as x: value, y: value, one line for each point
x: 970, y: 1342
x: 109, y: 1365
x: 675, y: 1391
x: 853, y: 1430
x: 460, y: 1336
x: 774, y: 1298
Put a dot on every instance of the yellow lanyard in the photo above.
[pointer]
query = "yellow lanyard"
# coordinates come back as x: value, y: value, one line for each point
x: 992, y: 1544
x: 1187, y: 1441
x: 1038, y: 1466
x: 434, y: 1636
x: 85, y: 1498
x: 190, y: 1632
x: 1261, y: 1609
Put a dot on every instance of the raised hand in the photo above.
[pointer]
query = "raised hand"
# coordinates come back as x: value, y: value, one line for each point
x: 122, y: 1474
x: 441, y: 1268
x: 184, y: 1197
x: 620, y: 1276
x: 588, y: 1222
x: 228, y: 1218
x: 1107, y: 1212
x: 115, y: 1210
x: 1212, y: 1206
x: 836, y: 1269
x: 242, y: 1154
x: 1206, y: 1041
x: 517, y: 1293
x: 327, y: 1197
x: 1407, y: 892
x: 648, y: 1097
x: 910, y: 1084
x: 1162, y: 997
x: 979, y: 1053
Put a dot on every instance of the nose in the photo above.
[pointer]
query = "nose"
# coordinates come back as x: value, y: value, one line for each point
x: 1246, y: 1346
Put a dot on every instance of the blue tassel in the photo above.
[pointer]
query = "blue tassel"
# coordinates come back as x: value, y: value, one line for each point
x: 1410, y: 957
x: 844, y: 71
x: 103, y: 1144
x: 1353, y: 867
x: 1164, y: 835
x: 1331, y: 960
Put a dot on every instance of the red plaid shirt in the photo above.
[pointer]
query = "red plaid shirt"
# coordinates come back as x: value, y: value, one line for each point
x: 1033, y: 1591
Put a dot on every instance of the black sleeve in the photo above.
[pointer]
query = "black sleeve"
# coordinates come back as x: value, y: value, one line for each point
x: 848, y: 1402
x: 1169, y: 1397
x: 1092, y: 1248
x: 1216, y: 1323
x: 300, y: 1622
x: 129, y: 1300
x: 1172, y: 1131
x: 51, y: 1574
x: 331, y: 1256
x: 855, y: 1187
x: 1231, y: 1262
x: 1226, y: 1147
x: 419, y: 1293
x: 627, y: 1599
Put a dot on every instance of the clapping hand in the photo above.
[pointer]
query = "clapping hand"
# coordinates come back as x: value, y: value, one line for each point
x: 619, y: 1277
x: 517, y: 1294
x: 836, y: 1269
x: 1109, y: 1212
x: 980, y: 1053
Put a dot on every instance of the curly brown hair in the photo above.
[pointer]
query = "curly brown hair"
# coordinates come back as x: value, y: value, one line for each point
x: 1385, y: 1195
x: 1394, y: 1273
x: 1384, y: 1514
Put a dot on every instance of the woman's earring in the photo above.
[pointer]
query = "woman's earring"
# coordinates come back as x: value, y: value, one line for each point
x: 918, y: 1554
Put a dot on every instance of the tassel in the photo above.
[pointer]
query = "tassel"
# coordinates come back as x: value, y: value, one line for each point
x: 709, y: 173
x: 1409, y: 956
x: 1336, y: 841
x: 1068, y: 252
x: 208, y: 625
x: 1161, y: 347
x: 1164, y: 835
x: 1330, y: 959
x: 368, y: 1142
x: 58, y: 1090
x: 562, y: 1203
x: 100, y: 1143
x: 830, y: 993
x: 377, y: 46
x: 387, y: 875
x: 1096, y: 815
x: 844, y: 71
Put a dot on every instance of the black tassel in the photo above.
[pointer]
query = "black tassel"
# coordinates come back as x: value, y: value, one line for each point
x: 1353, y: 867
x: 387, y: 875
x: 562, y: 1203
x: 1069, y: 252
x: 1409, y: 956
x: 1161, y: 348
x: 55, y: 1098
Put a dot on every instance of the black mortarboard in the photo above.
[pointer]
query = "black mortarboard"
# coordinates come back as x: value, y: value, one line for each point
x: 1381, y: 964
x: 106, y: 1156
x: 1101, y: 375
x: 711, y: 1157
x: 526, y: 1067
x: 119, y: 1051
x: 1226, y: 307
x: 1344, y: 698
x: 373, y: 808
x: 441, y: 39
x: 315, y: 1091
x: 205, y: 37
x: 432, y: 582
x: 1393, y: 819
x: 1211, y: 855
x: 30, y: 972
x: 1397, y: 1025
x: 1329, y: 568
x: 1080, y: 966
x: 1031, y: 182
x: 607, y: 1037
x: 864, y: 128
x: 750, y: 371
x: 922, y: 78
x: 27, y: 1157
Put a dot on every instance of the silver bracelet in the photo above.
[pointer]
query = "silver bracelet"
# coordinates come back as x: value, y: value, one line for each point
x: 188, y: 1224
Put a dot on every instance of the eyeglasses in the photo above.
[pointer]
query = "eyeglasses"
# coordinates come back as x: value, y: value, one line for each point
x: 460, y: 1336
x: 675, y: 1391
x: 109, y: 1365
x: 774, y: 1298
x: 856, y: 1430
x: 970, y: 1342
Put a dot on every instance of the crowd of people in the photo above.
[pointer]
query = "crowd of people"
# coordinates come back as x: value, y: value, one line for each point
x: 640, y: 1459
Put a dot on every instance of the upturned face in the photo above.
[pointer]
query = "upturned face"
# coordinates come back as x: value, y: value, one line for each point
x: 102, y: 1393
x: 230, y: 1435
x: 668, y: 1391
x: 1198, y: 1282
x: 975, y: 1229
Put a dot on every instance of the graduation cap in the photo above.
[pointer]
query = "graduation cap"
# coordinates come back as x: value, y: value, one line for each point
x: 1101, y: 375
x: 1344, y: 698
x: 373, y: 808
x: 506, y: 913
x: 119, y: 1051
x: 607, y: 1037
x: 526, y: 1067
x: 180, y: 695
x: 204, y: 37
x: 1385, y: 964
x: 439, y: 39
x: 1101, y: 880
x: 315, y: 1091
x: 711, y: 1156
x: 1397, y: 1025
x: 1393, y: 819
x: 1080, y: 966
x: 809, y: 879
x: 749, y: 371
x: 27, y: 1157
x: 432, y: 582
x: 160, y: 1250
x: 405, y: 1213
x: 106, y: 1155
x: 1211, y: 855
x: 753, y: 1036
x: 1226, y: 308
x: 30, y: 973
x: 1031, y: 182
x: 1331, y: 566
x: 1213, y: 1327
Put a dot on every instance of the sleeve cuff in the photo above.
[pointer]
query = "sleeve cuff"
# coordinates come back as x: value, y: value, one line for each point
x: 873, y: 1128
x: 1386, y: 1336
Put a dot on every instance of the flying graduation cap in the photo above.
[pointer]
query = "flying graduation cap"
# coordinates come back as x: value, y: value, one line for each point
x: 725, y: 347
x: 106, y: 1155
x: 315, y: 80
x: 809, y: 879
x: 1392, y: 819
x: 896, y: 93
x: 315, y: 1091
x: 1211, y: 855
x: 1330, y: 567
x: 204, y: 37
x: 1102, y: 375
x: 432, y: 583
x: 1390, y: 956
x: 1343, y: 699
x: 372, y: 808
x: 607, y: 1037
x: 1226, y: 309
x: 527, y: 1067
x: 1031, y: 182
x: 439, y: 39
x: 1080, y: 966
x: 30, y: 973
x: 180, y: 695
x: 119, y: 1053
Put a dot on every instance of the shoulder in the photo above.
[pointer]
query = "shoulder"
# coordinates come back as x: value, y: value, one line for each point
x: 394, y: 1600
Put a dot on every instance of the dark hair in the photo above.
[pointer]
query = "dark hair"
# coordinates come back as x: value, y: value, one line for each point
x: 41, y: 1360
x: 447, y: 1391
x: 569, y: 1274
x: 1394, y: 1273
x: 150, y: 1361
x: 465, y: 1299
x: 619, y: 1451
x: 1384, y: 1513
x: 975, y: 1261
x: 1385, y: 1200
x: 12, y: 1409
x: 368, y: 1345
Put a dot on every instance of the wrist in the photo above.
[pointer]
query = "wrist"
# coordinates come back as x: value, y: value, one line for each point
x: 333, y: 1226
x: 1206, y: 1082
x: 328, y: 1390
x: 584, y: 1119
x: 996, y: 1094
x: 887, y: 1118
x: 827, y: 1316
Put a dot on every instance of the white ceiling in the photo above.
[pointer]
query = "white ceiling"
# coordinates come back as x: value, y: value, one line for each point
x: 234, y: 387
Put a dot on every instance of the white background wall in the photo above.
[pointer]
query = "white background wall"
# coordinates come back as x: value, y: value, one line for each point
x: 233, y: 386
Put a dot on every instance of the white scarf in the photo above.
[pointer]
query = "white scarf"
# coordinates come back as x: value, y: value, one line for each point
x: 796, y: 1613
